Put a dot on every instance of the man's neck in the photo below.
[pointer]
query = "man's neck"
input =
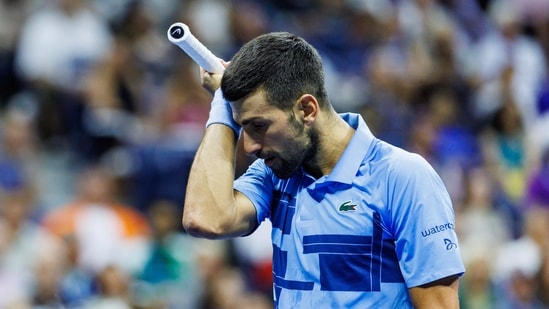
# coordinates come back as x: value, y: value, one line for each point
x: 334, y: 135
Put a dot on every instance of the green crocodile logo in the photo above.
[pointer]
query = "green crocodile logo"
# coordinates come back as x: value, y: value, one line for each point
x: 348, y: 206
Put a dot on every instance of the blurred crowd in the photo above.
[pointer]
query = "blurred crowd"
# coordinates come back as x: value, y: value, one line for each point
x: 100, y: 117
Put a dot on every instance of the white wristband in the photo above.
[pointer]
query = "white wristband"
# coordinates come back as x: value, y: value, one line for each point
x: 221, y: 112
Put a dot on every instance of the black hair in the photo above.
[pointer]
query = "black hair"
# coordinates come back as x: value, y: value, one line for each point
x: 284, y: 65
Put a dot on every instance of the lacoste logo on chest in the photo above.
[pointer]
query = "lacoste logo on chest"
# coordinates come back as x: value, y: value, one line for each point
x: 348, y: 206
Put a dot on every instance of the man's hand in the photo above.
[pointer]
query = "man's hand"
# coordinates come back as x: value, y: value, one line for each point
x: 220, y: 111
x: 211, y: 81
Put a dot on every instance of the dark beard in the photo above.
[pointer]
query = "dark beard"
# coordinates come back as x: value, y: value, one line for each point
x: 298, y: 151
x: 287, y: 167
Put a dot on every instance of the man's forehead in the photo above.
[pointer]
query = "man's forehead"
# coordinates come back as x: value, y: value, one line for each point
x: 252, y: 107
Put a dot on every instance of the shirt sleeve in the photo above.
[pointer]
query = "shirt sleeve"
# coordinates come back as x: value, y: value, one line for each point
x: 423, y: 222
x: 257, y: 184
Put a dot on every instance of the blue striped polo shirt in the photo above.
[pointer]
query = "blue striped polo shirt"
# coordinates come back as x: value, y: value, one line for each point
x: 379, y: 223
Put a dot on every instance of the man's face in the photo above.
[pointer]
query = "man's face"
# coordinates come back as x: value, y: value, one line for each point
x: 278, y: 137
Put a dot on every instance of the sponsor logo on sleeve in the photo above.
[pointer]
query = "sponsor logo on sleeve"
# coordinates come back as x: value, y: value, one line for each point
x: 450, y: 244
x: 437, y: 229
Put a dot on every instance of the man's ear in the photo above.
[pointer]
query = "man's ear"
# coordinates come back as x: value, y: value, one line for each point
x: 308, y: 107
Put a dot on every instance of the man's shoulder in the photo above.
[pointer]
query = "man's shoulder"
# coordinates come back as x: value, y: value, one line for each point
x: 400, y: 161
x: 395, y: 155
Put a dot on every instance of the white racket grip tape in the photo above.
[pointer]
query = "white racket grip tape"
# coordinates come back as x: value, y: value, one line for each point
x: 180, y: 35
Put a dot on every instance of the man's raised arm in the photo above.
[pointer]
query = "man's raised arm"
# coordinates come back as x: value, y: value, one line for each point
x: 212, y: 208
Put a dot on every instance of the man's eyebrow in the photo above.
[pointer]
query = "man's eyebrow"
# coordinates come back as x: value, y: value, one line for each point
x: 247, y: 121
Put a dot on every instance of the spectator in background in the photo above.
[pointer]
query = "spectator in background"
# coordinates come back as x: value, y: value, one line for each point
x: 106, y: 231
x: 164, y: 149
x: 534, y: 16
x: 108, y: 112
x: 388, y: 93
x: 47, y: 275
x: 254, y: 258
x: 18, y: 148
x: 501, y: 49
x: 519, y: 292
x: 228, y: 291
x: 169, y: 277
x: 477, y: 289
x: 146, y: 52
x: 504, y: 148
x: 57, y: 45
x: 210, y: 21
x: 517, y: 262
x: 537, y: 187
x: 505, y: 151
x: 21, y: 153
x: 76, y: 285
x: 113, y: 290
x: 179, y: 110
x: 247, y: 19
x: 542, y: 281
x: 212, y: 260
x: 481, y: 225
x: 469, y: 15
x: 422, y: 20
x: 13, y: 14
x: 28, y: 253
x: 455, y: 146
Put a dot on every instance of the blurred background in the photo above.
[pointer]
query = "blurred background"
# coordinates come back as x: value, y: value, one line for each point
x: 100, y: 117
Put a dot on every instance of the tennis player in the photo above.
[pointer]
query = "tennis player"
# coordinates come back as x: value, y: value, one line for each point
x: 357, y: 222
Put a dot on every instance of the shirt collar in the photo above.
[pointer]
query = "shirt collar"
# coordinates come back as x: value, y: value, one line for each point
x: 348, y: 164
x: 354, y: 154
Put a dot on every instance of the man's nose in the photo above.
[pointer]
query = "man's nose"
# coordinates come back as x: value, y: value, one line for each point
x: 251, y: 146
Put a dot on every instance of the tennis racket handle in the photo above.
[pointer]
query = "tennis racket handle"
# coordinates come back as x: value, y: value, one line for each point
x: 180, y: 35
